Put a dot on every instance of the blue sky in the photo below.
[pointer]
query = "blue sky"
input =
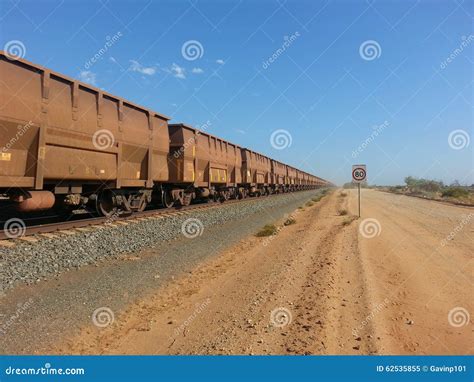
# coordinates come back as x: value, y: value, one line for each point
x: 385, y: 83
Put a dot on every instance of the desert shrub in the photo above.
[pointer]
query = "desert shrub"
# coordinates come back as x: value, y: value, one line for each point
x: 353, y: 185
x: 427, y: 185
x: 267, y: 230
x: 348, y: 220
x: 396, y: 188
x: 349, y: 185
x: 455, y: 192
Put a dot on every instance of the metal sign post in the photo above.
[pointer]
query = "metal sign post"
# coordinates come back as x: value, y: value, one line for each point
x: 359, y: 197
x: 359, y: 174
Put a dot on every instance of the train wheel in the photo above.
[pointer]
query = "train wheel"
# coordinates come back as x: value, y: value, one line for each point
x: 167, y: 199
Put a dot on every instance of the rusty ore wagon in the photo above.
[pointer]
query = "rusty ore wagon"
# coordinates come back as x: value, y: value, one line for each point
x: 69, y: 145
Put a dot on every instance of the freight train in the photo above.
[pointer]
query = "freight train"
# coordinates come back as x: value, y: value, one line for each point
x: 67, y: 145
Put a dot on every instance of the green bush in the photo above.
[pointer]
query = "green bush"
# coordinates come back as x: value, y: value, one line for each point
x: 455, y: 192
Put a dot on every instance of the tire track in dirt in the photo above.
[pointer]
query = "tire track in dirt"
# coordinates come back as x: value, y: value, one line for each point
x: 311, y: 269
x: 337, y: 306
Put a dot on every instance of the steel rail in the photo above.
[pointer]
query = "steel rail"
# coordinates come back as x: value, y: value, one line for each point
x: 84, y: 223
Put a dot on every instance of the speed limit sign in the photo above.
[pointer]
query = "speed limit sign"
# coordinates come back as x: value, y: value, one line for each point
x: 359, y: 173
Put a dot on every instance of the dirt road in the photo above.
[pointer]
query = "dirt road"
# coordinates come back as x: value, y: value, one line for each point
x: 328, y: 284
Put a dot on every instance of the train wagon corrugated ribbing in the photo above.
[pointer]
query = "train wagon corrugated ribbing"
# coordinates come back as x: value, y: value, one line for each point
x: 202, y: 166
x: 69, y: 145
x: 65, y: 138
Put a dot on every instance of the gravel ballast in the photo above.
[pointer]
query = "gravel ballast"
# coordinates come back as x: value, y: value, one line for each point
x: 31, y: 262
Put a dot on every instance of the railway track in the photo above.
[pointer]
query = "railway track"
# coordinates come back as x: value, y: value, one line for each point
x: 26, y: 232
